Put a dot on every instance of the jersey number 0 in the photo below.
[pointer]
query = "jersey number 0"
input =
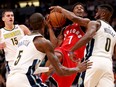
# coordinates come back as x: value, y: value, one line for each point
x: 107, y: 46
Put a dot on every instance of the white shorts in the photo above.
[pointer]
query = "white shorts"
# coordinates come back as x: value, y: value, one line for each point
x: 100, y: 75
x: 22, y: 80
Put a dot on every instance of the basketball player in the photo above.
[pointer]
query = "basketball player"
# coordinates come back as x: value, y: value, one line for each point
x: 10, y: 34
x: 101, y: 39
x: 31, y: 51
x: 66, y: 39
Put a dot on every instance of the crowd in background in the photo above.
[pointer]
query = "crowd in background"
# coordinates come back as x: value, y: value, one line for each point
x: 22, y: 14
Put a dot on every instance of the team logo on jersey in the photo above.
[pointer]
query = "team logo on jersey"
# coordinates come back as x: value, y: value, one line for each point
x: 74, y: 31
x: 12, y: 34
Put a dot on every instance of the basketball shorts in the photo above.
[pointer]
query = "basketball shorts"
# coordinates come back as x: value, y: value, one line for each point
x: 99, y: 75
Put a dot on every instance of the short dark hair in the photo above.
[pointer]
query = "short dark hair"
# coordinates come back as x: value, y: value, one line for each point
x: 107, y: 7
x: 78, y: 3
x: 36, y: 21
x: 6, y: 10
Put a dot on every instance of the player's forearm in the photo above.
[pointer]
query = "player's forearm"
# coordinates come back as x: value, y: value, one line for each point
x: 69, y: 71
x: 91, y: 31
x: 61, y: 70
x: 85, y: 39
x: 71, y: 16
x: 53, y: 38
x: 68, y: 14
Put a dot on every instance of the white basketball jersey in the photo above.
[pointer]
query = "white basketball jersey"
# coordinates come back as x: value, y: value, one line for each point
x: 103, y: 42
x: 28, y: 58
x: 11, y: 38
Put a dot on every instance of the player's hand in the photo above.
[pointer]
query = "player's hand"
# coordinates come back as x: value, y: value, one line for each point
x: 2, y: 45
x: 84, y: 65
x: 56, y: 8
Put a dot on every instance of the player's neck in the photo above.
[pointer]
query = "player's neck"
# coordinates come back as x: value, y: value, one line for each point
x: 39, y: 31
x: 105, y: 20
x: 36, y: 32
x: 9, y: 27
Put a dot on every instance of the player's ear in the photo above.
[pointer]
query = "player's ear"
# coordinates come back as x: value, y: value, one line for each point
x: 103, y: 14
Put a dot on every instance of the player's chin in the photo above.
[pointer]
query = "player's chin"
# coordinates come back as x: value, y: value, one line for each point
x: 79, y: 14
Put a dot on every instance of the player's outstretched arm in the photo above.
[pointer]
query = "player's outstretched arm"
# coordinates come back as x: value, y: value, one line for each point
x: 56, y: 41
x: 61, y: 70
x: 71, y: 16
x: 53, y: 38
x: 91, y: 30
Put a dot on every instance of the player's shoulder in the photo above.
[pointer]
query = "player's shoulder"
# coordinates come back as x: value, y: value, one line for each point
x: 93, y: 22
x: 42, y: 44
x: 46, y: 43
x: 25, y: 29
x: 22, y: 26
x: 42, y: 40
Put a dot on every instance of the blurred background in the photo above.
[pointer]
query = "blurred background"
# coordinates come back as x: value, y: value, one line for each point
x: 24, y: 8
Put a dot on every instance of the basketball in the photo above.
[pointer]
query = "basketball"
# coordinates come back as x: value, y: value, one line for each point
x: 57, y: 19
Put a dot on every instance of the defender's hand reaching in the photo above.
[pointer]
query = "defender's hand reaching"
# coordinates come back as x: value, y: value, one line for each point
x: 84, y: 65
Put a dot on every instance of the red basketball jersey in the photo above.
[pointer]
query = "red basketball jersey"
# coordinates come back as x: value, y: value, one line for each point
x: 72, y: 34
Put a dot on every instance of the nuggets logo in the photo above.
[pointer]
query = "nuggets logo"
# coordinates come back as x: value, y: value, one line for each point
x: 12, y: 34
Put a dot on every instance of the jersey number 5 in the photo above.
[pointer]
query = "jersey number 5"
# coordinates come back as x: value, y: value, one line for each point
x: 18, y: 58
x: 107, y: 46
